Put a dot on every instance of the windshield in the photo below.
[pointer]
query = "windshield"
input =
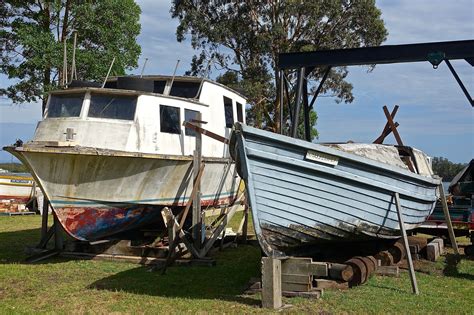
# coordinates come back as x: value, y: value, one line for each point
x: 112, y: 106
x: 65, y: 105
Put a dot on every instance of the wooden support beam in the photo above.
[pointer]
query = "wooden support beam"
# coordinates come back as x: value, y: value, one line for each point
x: 169, y: 219
x: 392, y: 126
x: 218, y: 230
x: 387, y: 130
x: 205, y: 132
x: 447, y: 218
x: 271, y: 283
x: 405, y: 243
x: 44, y: 218
x: 197, y: 216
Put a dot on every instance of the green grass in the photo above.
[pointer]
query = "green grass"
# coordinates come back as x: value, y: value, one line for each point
x: 75, y: 286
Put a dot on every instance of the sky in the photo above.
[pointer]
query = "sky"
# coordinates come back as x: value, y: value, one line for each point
x: 434, y: 114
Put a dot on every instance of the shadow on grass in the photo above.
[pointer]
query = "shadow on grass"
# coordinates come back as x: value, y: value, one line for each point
x: 451, y: 268
x: 13, y: 244
x: 225, y: 281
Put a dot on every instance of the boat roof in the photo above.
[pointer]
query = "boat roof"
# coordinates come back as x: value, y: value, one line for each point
x: 124, y: 92
x: 183, y: 78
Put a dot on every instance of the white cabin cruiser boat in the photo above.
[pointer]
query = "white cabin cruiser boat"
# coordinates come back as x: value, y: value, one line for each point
x: 109, y: 159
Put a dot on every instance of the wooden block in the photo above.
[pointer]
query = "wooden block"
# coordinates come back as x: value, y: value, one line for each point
x: 304, y: 267
x: 340, y: 271
x: 440, y: 243
x: 303, y: 279
x: 313, y: 294
x: 296, y: 287
x: 392, y: 271
x: 331, y: 284
x: 432, y: 251
x: 414, y: 249
x: 271, y: 283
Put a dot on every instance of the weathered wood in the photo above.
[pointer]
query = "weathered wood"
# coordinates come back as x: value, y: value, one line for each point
x: 289, y: 278
x: 304, y: 266
x: 414, y: 249
x: 331, y: 284
x: 271, y: 283
x: 340, y: 271
x: 398, y: 252
x: 169, y: 217
x: 432, y: 251
x: 313, y: 294
x: 295, y: 287
x: 392, y: 271
x: 421, y: 242
x: 360, y: 271
x: 218, y: 230
x: 197, y: 217
x: 440, y: 243
x: 385, y: 258
x: 58, y: 235
x: 405, y: 243
x: 205, y: 132
x: 138, y: 259
x: 44, y: 220
x: 387, y: 130
x: 447, y: 218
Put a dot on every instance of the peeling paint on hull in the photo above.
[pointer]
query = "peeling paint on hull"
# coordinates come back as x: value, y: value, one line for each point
x: 95, y: 196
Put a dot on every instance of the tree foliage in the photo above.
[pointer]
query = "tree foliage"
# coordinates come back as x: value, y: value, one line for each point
x: 245, y: 38
x: 445, y: 168
x: 33, y: 32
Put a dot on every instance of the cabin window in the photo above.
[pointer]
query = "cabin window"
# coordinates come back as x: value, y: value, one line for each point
x: 229, y: 113
x: 169, y: 119
x: 189, y: 115
x: 112, y: 106
x: 185, y: 89
x: 159, y: 86
x: 240, y: 113
x: 65, y: 105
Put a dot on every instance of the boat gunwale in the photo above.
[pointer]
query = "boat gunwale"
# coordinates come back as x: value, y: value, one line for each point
x: 81, y: 150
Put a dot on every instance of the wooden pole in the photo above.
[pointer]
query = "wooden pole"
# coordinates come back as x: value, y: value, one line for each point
x: 447, y: 218
x: 271, y: 283
x: 44, y: 218
x: 405, y: 243
x: 58, y: 237
x: 197, y: 216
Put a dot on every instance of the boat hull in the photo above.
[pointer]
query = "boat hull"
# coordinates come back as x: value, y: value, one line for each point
x: 303, y: 194
x: 96, y: 195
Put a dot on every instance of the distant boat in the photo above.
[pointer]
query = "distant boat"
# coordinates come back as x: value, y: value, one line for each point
x: 109, y: 159
x: 16, y: 190
x: 304, y: 194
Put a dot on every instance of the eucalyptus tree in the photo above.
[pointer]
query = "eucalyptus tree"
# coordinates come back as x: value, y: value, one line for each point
x: 246, y: 36
x: 33, y: 34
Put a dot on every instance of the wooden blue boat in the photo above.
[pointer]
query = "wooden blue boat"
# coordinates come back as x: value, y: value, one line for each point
x: 304, y: 194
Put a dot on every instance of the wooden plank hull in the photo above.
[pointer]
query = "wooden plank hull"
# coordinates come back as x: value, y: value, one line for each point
x: 98, y: 195
x: 303, y: 194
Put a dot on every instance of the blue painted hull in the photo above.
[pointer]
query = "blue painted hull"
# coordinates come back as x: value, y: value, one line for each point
x: 304, y: 194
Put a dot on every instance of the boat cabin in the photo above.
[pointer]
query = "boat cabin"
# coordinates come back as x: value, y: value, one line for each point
x: 143, y: 115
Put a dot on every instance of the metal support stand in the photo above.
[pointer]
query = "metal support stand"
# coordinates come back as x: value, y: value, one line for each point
x: 447, y: 218
x: 405, y: 243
